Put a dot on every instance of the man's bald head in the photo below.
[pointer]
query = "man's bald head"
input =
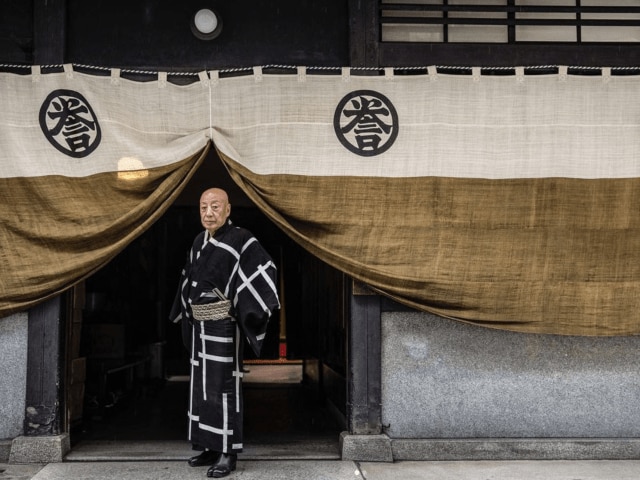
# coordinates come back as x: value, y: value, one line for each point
x: 214, y: 209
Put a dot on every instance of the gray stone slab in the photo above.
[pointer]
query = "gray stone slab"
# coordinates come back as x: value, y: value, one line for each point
x: 13, y: 374
x: 247, y: 470
x: 334, y: 470
x: 19, y: 472
x: 366, y: 447
x: 39, y: 449
x: 447, y: 379
x: 510, y: 470
x: 5, y: 450
x: 517, y: 449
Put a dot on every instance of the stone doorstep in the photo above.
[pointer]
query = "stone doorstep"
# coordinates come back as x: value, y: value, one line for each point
x: 381, y: 448
x: 41, y: 449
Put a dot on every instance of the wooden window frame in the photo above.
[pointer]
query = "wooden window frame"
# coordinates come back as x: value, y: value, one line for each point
x: 368, y: 50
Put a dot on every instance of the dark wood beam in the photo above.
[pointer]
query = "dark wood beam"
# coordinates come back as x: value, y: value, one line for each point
x: 364, y: 33
x: 49, y: 31
x: 404, y: 54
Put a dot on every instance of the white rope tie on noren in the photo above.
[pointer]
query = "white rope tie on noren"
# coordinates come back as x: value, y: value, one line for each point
x: 68, y: 70
x: 115, y: 76
x: 35, y: 73
x: 206, y: 83
x: 432, y: 70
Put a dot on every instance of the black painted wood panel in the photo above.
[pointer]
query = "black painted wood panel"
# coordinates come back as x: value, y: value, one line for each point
x: 129, y: 33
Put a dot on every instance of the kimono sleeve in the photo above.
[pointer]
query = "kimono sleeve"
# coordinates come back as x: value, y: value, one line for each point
x: 177, y: 312
x: 256, y: 295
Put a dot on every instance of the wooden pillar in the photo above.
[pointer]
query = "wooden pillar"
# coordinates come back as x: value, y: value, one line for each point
x: 44, y: 379
x: 43, y: 396
x: 364, y: 33
x: 364, y: 404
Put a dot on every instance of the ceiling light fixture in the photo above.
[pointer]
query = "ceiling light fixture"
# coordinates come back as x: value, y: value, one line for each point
x: 206, y: 24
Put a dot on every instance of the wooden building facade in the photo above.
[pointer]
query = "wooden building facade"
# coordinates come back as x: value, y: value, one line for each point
x: 335, y: 323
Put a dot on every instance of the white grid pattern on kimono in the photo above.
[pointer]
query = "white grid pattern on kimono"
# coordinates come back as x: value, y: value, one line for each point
x: 225, y: 246
x: 248, y: 283
x: 212, y: 358
x: 194, y: 363
x: 232, y: 251
x: 224, y: 431
x: 209, y: 239
x: 237, y: 372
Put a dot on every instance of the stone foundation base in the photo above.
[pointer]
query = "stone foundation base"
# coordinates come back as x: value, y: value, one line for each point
x: 45, y: 449
x: 366, y: 448
x: 381, y: 448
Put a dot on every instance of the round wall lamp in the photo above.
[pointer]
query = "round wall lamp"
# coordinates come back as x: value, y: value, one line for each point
x: 206, y: 24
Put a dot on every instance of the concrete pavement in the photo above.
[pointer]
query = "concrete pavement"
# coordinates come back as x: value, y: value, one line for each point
x: 305, y: 459
x: 333, y: 470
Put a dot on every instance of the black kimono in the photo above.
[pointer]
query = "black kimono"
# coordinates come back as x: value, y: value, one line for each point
x: 236, y: 264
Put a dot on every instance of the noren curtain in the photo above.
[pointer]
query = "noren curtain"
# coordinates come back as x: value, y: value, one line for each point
x: 86, y: 165
x: 507, y: 201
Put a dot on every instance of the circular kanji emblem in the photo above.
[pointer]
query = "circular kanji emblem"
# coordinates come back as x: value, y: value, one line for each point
x: 366, y: 123
x: 68, y: 122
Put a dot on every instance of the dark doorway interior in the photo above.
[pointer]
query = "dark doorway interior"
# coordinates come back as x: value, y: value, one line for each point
x: 282, y: 412
x: 136, y: 383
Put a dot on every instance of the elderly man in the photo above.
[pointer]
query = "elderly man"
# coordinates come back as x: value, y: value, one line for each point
x: 227, y: 292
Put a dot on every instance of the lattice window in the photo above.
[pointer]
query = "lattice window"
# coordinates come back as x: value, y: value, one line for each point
x: 510, y: 21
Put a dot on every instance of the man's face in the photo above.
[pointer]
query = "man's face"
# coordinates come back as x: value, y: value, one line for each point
x: 214, y: 209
